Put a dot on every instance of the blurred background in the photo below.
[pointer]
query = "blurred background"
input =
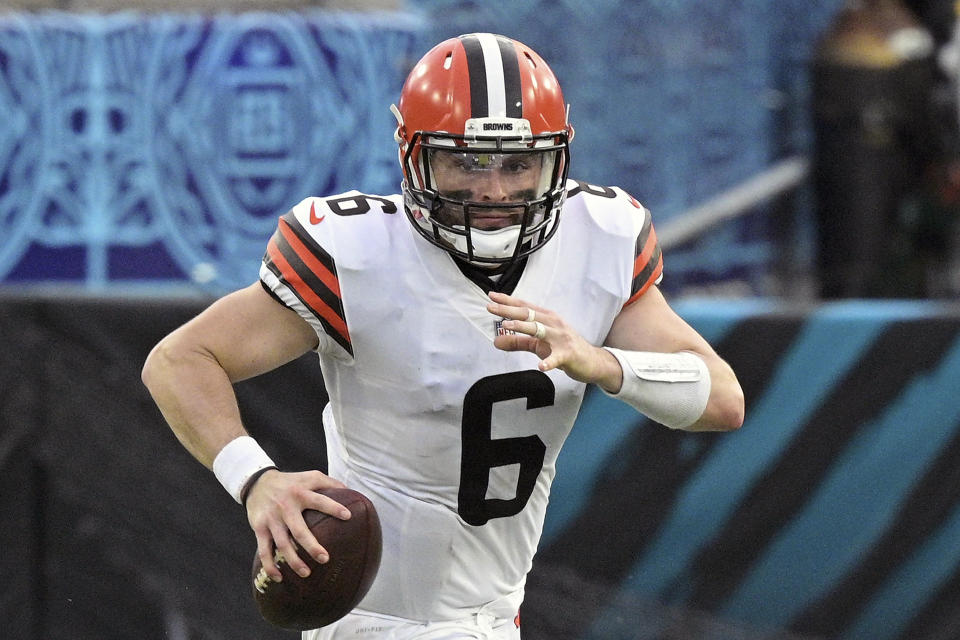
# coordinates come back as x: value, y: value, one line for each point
x: 802, y: 162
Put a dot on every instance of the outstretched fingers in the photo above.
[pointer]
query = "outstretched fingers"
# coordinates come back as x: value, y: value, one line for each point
x: 543, y: 332
x: 515, y: 341
x: 528, y: 325
x: 513, y: 308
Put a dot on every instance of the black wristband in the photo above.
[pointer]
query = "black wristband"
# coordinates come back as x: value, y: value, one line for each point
x: 252, y: 480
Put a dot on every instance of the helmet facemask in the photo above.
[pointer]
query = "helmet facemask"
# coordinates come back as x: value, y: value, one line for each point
x: 486, y: 199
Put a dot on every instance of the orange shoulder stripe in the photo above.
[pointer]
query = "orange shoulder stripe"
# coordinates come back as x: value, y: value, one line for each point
x: 315, y: 266
x: 310, y: 298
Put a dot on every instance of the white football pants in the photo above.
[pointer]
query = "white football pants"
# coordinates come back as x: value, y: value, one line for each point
x: 360, y: 625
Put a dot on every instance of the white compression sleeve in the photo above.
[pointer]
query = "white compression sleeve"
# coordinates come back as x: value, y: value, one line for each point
x: 671, y: 388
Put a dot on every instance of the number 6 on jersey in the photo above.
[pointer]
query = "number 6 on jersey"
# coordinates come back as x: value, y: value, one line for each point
x: 481, y: 452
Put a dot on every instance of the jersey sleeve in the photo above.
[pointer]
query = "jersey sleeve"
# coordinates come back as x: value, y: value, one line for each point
x: 647, y: 256
x: 302, y: 275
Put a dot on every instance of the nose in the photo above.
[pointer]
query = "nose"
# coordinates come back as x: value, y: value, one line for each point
x: 492, y: 187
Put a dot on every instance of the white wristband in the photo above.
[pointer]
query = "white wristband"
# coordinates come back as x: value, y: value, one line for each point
x: 671, y: 388
x: 237, y: 461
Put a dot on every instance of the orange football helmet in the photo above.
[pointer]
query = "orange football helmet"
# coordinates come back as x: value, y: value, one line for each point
x: 484, y: 147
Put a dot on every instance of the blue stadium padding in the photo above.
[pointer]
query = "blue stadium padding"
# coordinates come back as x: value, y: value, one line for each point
x: 859, y: 498
x: 797, y: 388
x: 713, y: 318
x: 884, y: 310
x: 931, y: 564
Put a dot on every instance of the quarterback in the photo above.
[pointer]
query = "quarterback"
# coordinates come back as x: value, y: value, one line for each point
x: 457, y: 325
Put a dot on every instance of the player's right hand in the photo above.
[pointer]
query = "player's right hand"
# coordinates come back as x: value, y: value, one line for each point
x: 275, y: 508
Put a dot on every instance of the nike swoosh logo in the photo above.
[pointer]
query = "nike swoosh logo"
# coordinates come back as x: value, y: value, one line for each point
x: 313, y: 215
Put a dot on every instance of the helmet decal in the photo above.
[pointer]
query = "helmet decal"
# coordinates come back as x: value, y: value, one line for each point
x: 494, y: 77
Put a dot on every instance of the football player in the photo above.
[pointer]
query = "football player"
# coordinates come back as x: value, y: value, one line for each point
x: 457, y: 325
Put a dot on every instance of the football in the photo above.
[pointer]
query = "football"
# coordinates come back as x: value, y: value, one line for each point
x: 334, y: 588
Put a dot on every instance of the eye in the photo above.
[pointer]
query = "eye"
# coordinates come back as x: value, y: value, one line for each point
x: 518, y: 164
x: 450, y: 161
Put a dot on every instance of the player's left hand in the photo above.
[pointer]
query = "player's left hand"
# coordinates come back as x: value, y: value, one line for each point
x: 559, y: 346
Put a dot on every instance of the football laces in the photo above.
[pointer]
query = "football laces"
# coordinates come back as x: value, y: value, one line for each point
x: 262, y: 581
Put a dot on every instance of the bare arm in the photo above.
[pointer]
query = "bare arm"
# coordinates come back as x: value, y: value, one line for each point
x: 191, y: 372
x: 190, y: 375
x: 649, y: 324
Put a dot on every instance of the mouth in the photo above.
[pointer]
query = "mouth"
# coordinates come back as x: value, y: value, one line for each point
x: 493, y: 219
x: 481, y: 218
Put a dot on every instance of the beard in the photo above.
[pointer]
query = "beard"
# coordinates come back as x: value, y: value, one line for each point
x: 487, y: 216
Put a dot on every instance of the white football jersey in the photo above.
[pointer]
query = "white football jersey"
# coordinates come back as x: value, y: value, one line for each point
x: 453, y: 440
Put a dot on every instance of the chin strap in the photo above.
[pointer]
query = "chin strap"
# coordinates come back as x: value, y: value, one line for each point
x: 486, y: 244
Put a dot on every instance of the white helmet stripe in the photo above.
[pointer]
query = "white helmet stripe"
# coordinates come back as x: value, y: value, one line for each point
x: 494, y: 71
x: 493, y: 67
